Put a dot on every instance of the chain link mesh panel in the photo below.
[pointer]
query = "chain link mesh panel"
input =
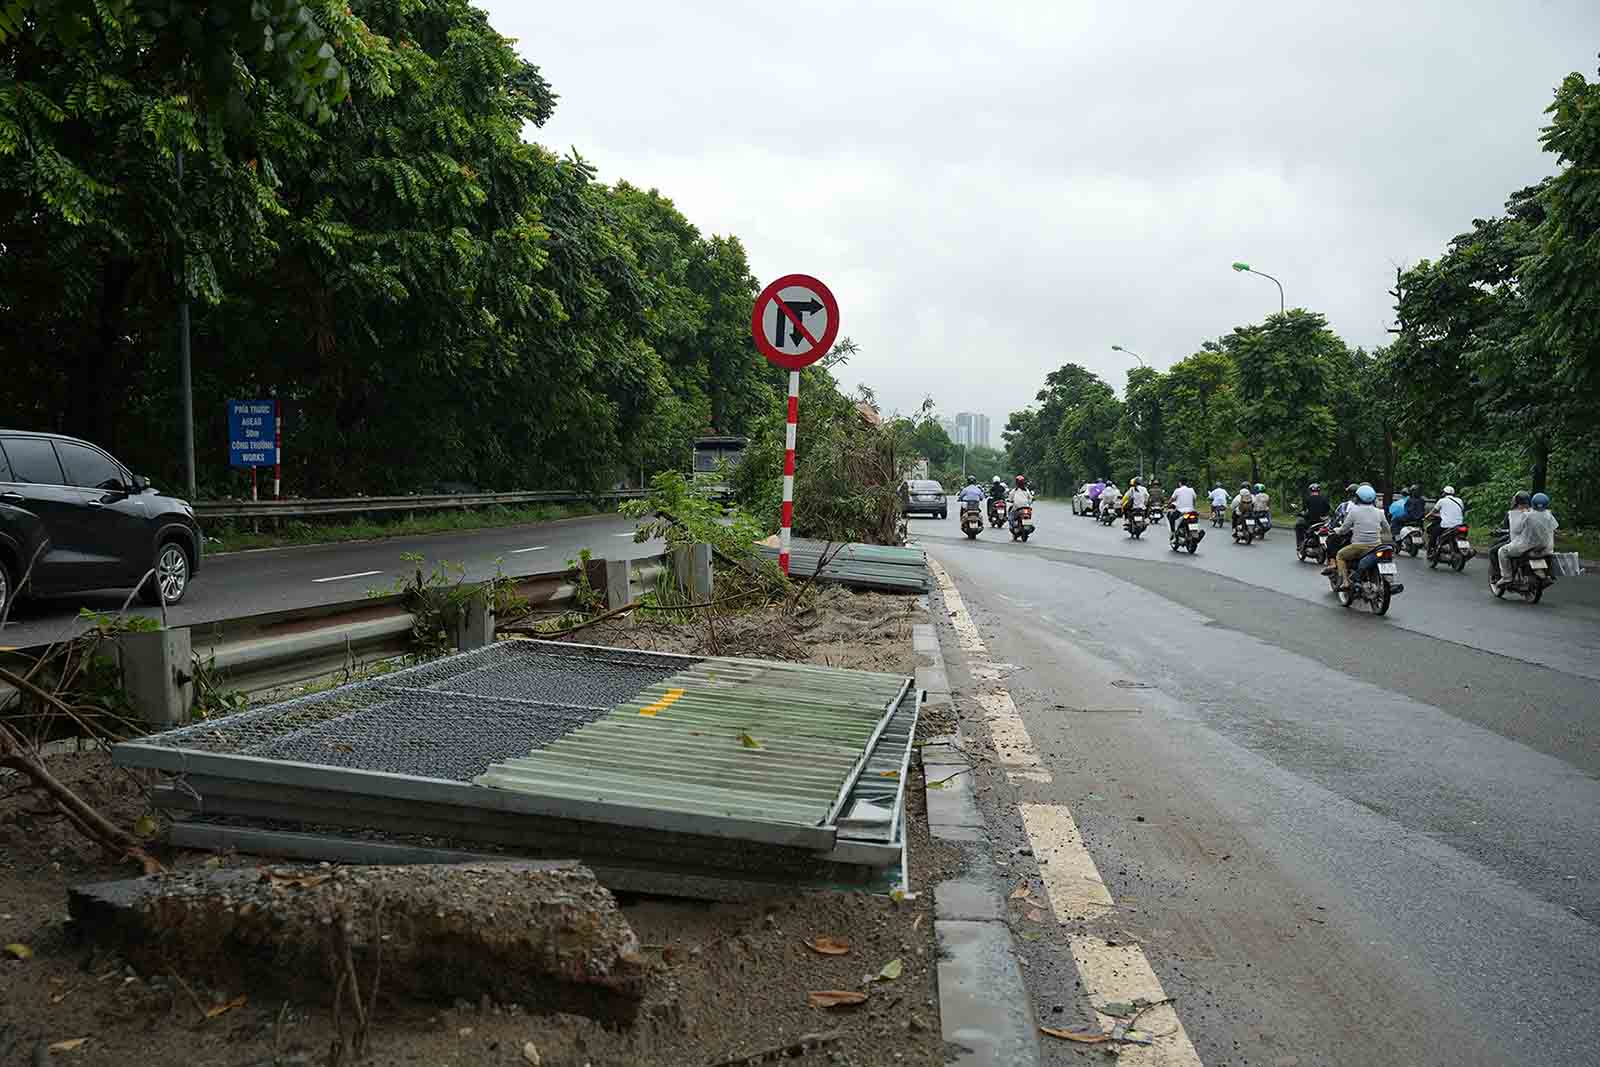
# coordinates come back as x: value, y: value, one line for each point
x: 448, y: 718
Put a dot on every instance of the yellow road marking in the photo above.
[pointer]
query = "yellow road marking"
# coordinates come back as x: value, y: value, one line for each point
x: 664, y: 703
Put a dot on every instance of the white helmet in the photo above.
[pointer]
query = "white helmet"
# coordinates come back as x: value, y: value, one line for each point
x: 1449, y: 490
x: 996, y: 479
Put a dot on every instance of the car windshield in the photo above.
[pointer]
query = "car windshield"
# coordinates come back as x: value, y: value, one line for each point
x: 926, y: 487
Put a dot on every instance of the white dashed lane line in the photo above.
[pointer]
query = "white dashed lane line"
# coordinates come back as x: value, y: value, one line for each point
x: 343, y: 577
x: 1110, y: 973
x: 535, y: 548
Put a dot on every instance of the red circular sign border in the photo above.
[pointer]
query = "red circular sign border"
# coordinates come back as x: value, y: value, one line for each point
x: 787, y: 360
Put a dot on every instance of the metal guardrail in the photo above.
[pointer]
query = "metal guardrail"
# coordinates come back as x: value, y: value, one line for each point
x: 356, y: 505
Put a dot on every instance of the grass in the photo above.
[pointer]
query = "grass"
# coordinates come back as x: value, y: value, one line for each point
x: 238, y: 536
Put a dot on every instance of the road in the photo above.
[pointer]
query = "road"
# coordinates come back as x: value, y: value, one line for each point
x: 247, y: 583
x: 1338, y: 838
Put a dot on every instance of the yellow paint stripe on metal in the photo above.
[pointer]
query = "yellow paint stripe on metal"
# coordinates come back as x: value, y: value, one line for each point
x: 665, y: 702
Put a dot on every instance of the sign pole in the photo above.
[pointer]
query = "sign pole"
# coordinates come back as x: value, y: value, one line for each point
x: 788, y: 472
x: 277, y: 450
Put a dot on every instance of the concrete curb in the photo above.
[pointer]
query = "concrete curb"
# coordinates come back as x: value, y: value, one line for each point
x: 985, y: 1013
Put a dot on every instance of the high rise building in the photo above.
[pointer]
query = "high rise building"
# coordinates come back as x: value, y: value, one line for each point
x: 972, y: 429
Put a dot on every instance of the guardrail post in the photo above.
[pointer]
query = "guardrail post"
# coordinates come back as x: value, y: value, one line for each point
x: 619, y: 583
x: 157, y: 674
x: 475, y: 626
x: 691, y: 569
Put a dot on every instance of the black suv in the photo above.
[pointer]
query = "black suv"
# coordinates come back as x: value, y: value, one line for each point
x: 100, y: 526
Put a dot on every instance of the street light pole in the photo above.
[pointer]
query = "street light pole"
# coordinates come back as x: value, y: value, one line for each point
x: 1245, y: 268
x: 185, y: 376
x: 1137, y: 356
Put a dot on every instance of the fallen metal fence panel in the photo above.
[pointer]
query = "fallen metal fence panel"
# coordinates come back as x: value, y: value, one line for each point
x: 883, y: 567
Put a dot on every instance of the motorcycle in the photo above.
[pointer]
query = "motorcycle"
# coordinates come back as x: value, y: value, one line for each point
x: 1263, y: 524
x: 1530, y: 576
x: 1021, y: 523
x: 1245, y: 530
x: 997, y: 513
x: 1187, y: 534
x: 1314, y: 549
x: 1138, y: 522
x: 1218, y: 515
x: 971, y: 519
x: 1453, y: 548
x: 1371, y: 580
x: 1410, y: 540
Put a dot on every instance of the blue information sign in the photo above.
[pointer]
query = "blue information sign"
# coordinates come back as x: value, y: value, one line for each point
x: 252, y: 433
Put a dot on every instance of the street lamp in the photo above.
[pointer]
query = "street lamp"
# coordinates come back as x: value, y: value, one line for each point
x: 1245, y: 268
x: 1137, y: 356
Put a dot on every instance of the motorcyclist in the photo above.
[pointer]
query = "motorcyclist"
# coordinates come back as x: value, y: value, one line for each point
x: 1262, y: 504
x: 997, y: 488
x: 1096, y: 490
x: 1136, y: 498
x: 1531, y: 529
x: 1219, y: 497
x: 972, y: 494
x: 1313, y: 509
x: 1019, y: 497
x: 1337, y: 539
x: 1243, y: 503
x: 1447, y: 512
x: 1346, y: 504
x: 1111, y: 496
x: 1182, y: 502
x: 1415, y: 508
x: 1368, y: 528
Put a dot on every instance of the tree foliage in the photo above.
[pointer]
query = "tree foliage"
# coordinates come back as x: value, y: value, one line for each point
x: 430, y: 296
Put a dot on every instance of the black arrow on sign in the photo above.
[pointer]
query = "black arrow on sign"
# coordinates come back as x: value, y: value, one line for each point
x: 810, y: 307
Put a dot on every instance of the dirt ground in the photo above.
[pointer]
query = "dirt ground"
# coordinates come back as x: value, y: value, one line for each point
x: 728, y: 981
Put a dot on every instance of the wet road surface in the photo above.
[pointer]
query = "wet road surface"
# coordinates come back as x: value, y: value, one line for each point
x: 1339, y: 838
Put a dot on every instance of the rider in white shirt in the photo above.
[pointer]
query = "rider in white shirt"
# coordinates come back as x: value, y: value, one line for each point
x: 1183, y: 500
x: 1219, y: 497
x: 1448, y: 513
x: 1019, y: 497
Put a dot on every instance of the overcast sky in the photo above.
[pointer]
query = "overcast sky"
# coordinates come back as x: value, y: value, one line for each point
x: 993, y: 189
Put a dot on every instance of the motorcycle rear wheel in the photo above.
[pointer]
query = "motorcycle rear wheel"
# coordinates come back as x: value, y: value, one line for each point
x: 1534, y: 595
x: 1411, y: 547
x: 1497, y: 590
x: 1460, y: 564
x: 1192, y: 546
x: 1380, y: 606
x: 1347, y: 596
x: 1433, y: 562
x: 1024, y: 538
x: 972, y: 535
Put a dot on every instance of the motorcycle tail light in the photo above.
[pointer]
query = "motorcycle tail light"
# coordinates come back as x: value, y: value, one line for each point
x: 1027, y: 513
x: 1461, y: 529
x: 1385, y: 553
x: 1191, y: 515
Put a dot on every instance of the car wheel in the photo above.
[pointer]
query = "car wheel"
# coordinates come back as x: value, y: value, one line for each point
x: 8, y: 587
x: 171, y: 579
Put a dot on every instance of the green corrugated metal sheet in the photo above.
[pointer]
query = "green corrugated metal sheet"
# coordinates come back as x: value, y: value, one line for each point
x: 726, y: 738
x: 884, y: 567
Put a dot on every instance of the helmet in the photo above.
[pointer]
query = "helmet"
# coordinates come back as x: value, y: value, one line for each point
x: 1260, y: 488
x: 996, y: 479
x: 1366, y: 494
x: 1021, y: 479
x: 1244, y: 485
x: 1449, y: 490
x: 1351, y: 489
x: 1540, y: 501
x: 1315, y: 488
x: 1415, y: 490
x: 1134, y: 482
x: 1522, y: 499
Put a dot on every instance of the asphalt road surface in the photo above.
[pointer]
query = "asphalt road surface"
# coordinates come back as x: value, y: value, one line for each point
x: 1339, y: 838
x: 234, y: 584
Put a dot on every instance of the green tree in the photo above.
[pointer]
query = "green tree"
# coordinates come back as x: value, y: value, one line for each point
x: 1199, y: 410
x: 1285, y: 391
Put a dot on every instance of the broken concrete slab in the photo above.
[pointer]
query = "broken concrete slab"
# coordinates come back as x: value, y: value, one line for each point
x: 527, y: 932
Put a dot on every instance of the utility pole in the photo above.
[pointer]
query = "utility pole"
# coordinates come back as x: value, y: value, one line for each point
x: 185, y: 377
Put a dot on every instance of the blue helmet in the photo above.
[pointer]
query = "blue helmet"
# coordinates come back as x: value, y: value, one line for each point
x: 1540, y: 502
x: 1366, y: 494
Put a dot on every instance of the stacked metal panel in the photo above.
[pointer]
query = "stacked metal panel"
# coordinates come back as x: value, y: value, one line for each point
x: 882, y: 567
x: 670, y: 773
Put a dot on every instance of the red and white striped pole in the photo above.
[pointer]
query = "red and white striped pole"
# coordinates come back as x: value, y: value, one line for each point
x: 788, y: 471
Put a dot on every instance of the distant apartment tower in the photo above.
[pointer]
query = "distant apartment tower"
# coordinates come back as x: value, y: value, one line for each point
x: 949, y: 426
x: 971, y: 429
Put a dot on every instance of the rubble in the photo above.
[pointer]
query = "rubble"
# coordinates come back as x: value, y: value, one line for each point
x: 544, y: 934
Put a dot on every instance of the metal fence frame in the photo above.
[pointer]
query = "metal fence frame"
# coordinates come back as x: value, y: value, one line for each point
x: 206, y: 510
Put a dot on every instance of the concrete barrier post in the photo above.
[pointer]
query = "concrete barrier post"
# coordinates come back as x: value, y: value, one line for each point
x: 475, y: 626
x: 691, y: 571
x: 619, y: 583
x: 157, y: 674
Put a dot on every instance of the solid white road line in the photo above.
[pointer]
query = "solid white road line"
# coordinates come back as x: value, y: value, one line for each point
x: 342, y: 577
x: 535, y: 548
x: 1110, y: 973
